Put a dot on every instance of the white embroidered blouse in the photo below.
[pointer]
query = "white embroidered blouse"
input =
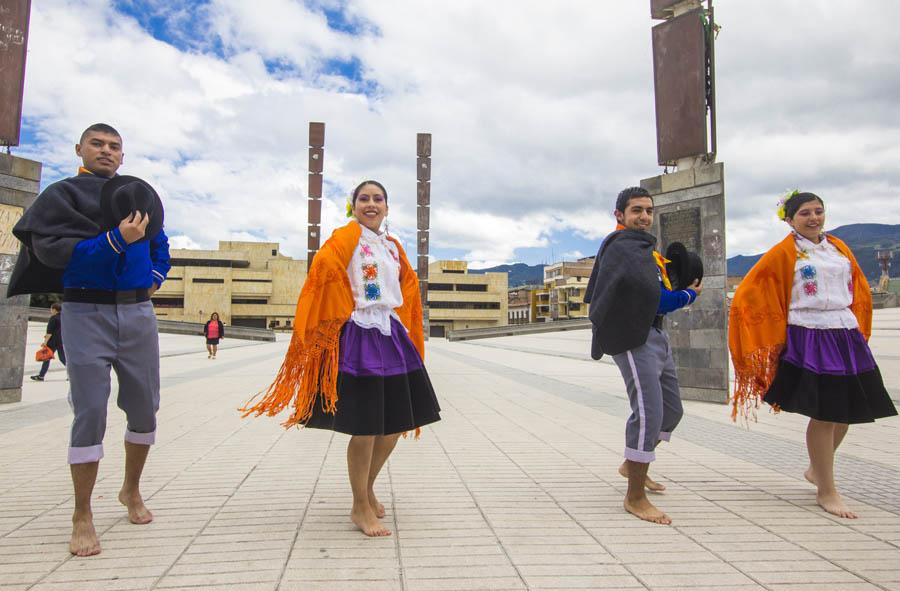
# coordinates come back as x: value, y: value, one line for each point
x: 823, y: 287
x: 374, y: 273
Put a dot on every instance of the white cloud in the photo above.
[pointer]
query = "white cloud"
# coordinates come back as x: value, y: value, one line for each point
x: 539, y: 113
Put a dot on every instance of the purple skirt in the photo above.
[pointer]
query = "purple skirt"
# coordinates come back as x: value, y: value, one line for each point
x: 382, y: 385
x: 829, y: 375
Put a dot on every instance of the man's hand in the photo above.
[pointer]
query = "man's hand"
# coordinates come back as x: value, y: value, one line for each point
x: 134, y: 227
x: 153, y: 289
x: 696, y: 287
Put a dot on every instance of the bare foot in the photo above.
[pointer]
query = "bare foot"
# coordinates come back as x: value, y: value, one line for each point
x: 645, y: 510
x: 84, y: 540
x: 377, y: 507
x: 810, y: 477
x: 834, y: 504
x: 367, y: 522
x: 649, y: 483
x: 138, y: 513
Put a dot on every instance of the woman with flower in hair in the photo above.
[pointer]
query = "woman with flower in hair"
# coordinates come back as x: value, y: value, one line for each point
x: 798, y: 333
x: 355, y: 362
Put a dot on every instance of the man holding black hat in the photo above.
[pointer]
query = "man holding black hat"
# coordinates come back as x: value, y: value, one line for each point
x: 97, y: 237
x: 629, y: 293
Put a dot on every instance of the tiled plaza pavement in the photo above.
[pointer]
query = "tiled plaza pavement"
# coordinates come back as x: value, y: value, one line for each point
x: 515, y: 489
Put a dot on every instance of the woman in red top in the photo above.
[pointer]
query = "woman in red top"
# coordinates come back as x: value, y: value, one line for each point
x: 213, y: 331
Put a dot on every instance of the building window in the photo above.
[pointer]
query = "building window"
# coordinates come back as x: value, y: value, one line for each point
x: 249, y: 301
x: 452, y: 271
x: 207, y: 280
x: 440, y: 287
x: 252, y: 280
x: 207, y: 263
x: 167, y: 302
x: 274, y: 254
x: 464, y: 305
x: 471, y: 287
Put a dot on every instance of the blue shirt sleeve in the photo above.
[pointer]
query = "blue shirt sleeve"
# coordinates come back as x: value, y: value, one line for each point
x: 159, y: 256
x: 102, y: 249
x: 669, y: 301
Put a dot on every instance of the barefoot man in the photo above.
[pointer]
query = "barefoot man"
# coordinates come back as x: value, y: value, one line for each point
x: 107, y: 272
x: 629, y: 293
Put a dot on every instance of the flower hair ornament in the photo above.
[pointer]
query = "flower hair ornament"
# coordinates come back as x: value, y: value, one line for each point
x: 349, y: 207
x: 783, y: 201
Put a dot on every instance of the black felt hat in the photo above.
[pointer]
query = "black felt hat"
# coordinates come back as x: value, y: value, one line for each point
x: 123, y: 195
x: 684, y: 267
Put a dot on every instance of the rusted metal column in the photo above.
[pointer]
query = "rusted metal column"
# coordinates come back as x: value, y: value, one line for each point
x: 14, y: 17
x: 423, y: 211
x: 316, y: 161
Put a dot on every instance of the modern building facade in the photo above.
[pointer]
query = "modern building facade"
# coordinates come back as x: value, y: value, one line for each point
x: 247, y: 283
x: 522, y: 304
x: 562, y: 296
x: 459, y: 300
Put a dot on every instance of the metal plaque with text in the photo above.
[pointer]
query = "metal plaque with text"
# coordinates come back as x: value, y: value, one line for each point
x: 682, y: 226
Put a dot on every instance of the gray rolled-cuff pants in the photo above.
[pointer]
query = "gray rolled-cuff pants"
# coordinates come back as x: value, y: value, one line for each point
x: 100, y: 337
x: 652, y: 383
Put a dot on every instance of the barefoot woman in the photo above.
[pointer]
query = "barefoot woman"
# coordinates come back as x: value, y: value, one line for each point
x: 355, y: 362
x: 798, y: 335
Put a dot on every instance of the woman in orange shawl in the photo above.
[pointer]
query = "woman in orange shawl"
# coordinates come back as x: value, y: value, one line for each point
x: 355, y: 362
x: 798, y: 333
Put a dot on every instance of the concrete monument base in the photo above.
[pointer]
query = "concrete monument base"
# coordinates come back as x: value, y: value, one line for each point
x: 19, y: 185
x: 690, y: 208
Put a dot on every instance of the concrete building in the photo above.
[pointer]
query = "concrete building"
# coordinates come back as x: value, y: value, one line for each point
x: 562, y: 296
x: 458, y: 300
x: 522, y: 304
x: 247, y: 283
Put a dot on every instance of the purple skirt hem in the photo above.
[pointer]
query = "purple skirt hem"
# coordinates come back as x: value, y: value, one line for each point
x: 830, y: 351
x: 365, y: 352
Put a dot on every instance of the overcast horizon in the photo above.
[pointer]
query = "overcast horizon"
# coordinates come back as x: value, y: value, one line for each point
x: 539, y: 115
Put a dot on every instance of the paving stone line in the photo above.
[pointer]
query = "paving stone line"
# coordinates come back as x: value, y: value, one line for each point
x: 867, y: 481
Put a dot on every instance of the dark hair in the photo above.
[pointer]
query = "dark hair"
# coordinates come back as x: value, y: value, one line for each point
x: 100, y: 128
x: 796, y: 202
x: 626, y: 195
x: 56, y: 306
x: 363, y: 184
x: 216, y: 314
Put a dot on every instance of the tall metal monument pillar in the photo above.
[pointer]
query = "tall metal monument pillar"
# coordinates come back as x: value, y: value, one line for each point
x: 20, y: 181
x: 690, y: 203
x: 316, y: 163
x: 423, y: 217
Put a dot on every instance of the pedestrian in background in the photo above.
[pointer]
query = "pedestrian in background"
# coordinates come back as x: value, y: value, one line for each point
x: 52, y: 340
x: 213, y: 330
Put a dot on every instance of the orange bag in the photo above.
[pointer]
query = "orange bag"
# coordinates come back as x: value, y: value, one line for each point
x: 45, y: 353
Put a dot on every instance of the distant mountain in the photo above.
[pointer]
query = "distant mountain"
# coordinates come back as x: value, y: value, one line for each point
x: 863, y: 240
x: 519, y: 273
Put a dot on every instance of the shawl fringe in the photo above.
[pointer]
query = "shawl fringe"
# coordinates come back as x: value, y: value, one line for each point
x: 753, y: 376
x: 305, y: 372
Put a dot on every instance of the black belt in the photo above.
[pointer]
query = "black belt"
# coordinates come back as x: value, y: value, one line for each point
x: 658, y: 322
x: 102, y: 296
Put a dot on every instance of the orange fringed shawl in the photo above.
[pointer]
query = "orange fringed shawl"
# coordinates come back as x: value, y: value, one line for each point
x: 326, y: 302
x: 757, y: 325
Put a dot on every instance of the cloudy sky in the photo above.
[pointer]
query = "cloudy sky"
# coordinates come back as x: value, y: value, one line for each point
x: 540, y: 112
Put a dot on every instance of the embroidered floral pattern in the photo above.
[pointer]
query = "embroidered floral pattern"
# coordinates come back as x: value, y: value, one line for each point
x: 808, y: 272
x: 370, y: 271
x: 850, y: 286
x: 373, y: 292
x: 811, y: 288
x: 802, y: 254
x: 366, y: 250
